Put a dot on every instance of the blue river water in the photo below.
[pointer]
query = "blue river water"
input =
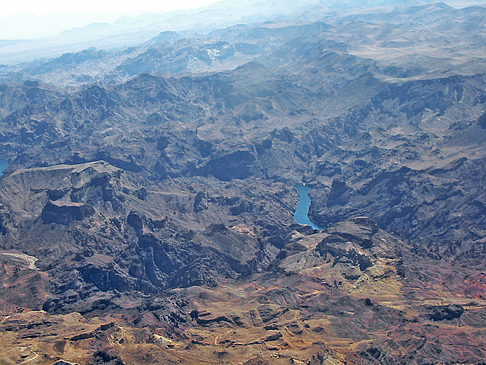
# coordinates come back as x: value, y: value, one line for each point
x: 3, y: 166
x: 301, y: 214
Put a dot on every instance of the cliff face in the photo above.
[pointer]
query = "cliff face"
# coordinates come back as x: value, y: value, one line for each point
x: 65, y: 212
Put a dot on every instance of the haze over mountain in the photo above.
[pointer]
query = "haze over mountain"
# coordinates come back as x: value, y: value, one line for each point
x: 147, y: 212
x: 131, y: 30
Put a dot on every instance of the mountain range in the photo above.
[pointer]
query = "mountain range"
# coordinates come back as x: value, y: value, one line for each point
x: 146, y: 215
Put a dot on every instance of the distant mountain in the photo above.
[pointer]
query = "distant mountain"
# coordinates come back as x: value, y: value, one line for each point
x: 129, y: 31
x: 280, y: 43
x: 132, y: 30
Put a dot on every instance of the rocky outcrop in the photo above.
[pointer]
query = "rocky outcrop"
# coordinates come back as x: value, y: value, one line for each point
x: 104, y: 357
x: 105, y: 278
x: 361, y: 230
x: 5, y: 219
x: 482, y: 121
x: 357, y: 241
x: 337, y: 193
x: 447, y: 312
x: 348, y: 255
x: 234, y: 165
x: 65, y: 212
x: 345, y: 254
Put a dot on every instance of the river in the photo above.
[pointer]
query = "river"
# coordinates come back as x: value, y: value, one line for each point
x: 301, y: 214
x: 3, y: 166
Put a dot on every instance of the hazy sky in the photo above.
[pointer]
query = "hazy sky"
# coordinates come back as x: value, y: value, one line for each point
x: 33, y: 19
x: 43, y: 7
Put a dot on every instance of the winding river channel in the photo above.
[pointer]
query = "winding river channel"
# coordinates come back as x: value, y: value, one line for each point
x: 301, y: 214
x: 3, y: 166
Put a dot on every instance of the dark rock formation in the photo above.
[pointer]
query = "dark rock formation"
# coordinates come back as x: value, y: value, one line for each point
x: 482, y: 121
x: 448, y: 312
x: 235, y: 165
x: 336, y: 195
x: 65, y: 212
x: 103, y: 357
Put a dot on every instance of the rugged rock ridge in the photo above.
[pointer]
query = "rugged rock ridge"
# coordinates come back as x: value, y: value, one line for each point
x: 382, y: 154
x: 411, y: 202
x: 353, y: 254
x: 64, y: 189
x: 97, y: 230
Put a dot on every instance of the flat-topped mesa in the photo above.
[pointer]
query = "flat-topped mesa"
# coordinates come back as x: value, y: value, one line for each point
x: 65, y: 212
x: 360, y: 234
x: 60, y: 171
x: 359, y: 230
x: 62, y: 193
x: 58, y: 179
